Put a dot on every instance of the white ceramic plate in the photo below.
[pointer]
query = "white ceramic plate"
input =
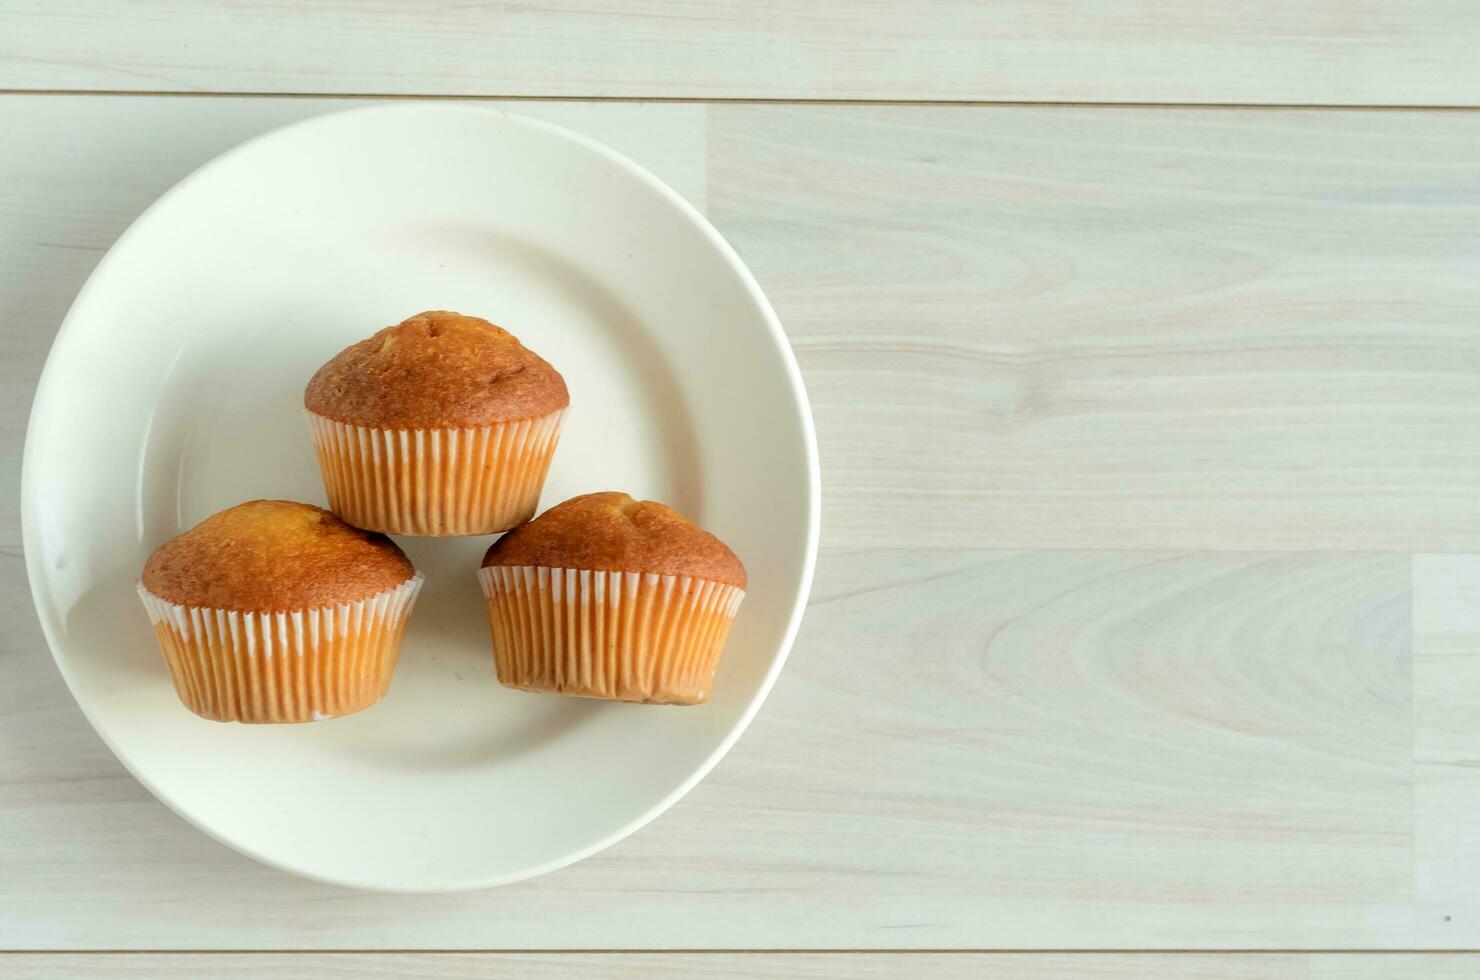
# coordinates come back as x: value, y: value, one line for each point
x: 174, y: 389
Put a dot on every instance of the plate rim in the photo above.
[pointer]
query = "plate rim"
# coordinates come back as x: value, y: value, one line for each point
x: 494, y: 115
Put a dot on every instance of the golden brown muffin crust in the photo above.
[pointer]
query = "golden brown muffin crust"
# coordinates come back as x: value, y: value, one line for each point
x: 611, y: 532
x: 436, y: 370
x: 274, y: 555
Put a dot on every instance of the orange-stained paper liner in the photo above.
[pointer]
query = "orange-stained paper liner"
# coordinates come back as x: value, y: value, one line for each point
x: 628, y: 636
x: 436, y: 482
x: 303, y: 665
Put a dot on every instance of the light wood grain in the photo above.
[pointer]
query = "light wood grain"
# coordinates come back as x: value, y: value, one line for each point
x: 866, y: 966
x: 1124, y: 329
x: 1446, y: 742
x: 1408, y: 52
x: 1358, y: 966
x: 1019, y: 328
x: 1036, y: 750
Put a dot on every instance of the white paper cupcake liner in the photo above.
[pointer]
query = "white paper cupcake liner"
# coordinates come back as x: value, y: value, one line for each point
x: 436, y: 482
x: 303, y: 665
x: 627, y: 636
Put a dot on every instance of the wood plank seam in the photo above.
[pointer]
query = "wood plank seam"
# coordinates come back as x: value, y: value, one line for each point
x: 731, y: 100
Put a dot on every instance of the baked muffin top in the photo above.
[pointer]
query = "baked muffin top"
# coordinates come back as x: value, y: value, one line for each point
x: 435, y: 370
x: 274, y: 555
x: 611, y: 532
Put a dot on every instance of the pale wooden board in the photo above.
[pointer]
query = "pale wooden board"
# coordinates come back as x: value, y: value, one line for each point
x: 970, y: 748
x: 1446, y: 743
x: 1358, y: 966
x: 1100, y: 328
x: 865, y: 966
x: 1410, y: 52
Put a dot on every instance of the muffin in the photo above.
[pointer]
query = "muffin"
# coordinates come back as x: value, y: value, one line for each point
x: 607, y: 597
x: 275, y: 611
x: 441, y: 425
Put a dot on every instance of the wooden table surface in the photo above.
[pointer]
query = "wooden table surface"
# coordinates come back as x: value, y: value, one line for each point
x: 1143, y: 340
